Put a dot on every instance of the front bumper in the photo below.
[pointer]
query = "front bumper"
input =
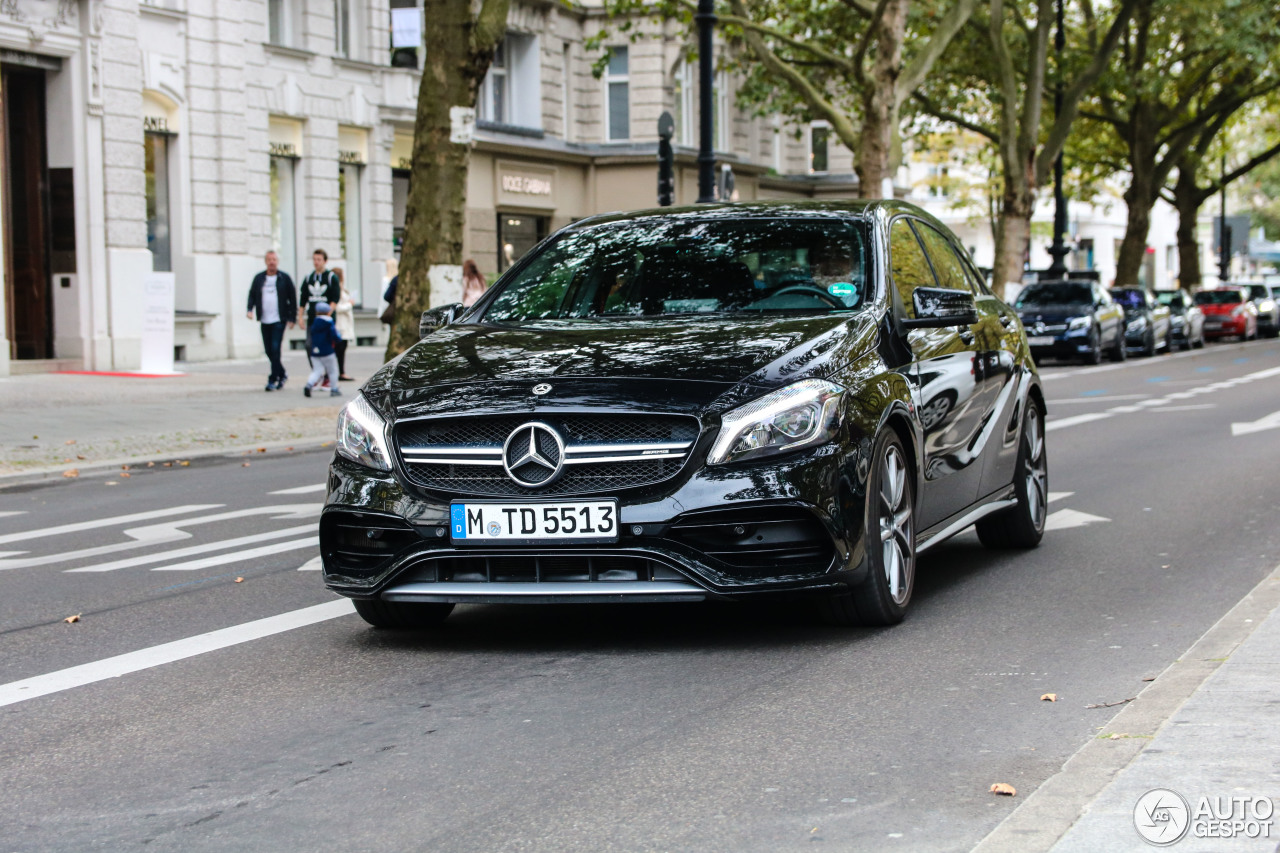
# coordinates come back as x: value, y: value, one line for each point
x: 1066, y: 346
x: 1226, y: 327
x: 784, y: 526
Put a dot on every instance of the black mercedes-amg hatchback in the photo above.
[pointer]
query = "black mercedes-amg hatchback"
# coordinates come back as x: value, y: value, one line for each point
x: 686, y: 404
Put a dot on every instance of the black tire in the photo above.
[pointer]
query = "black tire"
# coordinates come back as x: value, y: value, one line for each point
x: 1094, y: 355
x: 1149, y: 345
x: 401, y: 615
x: 1119, y: 353
x: 889, y: 526
x: 1022, y: 525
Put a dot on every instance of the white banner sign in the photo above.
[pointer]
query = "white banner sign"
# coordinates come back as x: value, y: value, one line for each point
x: 157, y: 323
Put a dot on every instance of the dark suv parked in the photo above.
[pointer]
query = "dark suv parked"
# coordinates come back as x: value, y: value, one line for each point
x: 1071, y: 319
x: 684, y: 404
x: 1146, y: 321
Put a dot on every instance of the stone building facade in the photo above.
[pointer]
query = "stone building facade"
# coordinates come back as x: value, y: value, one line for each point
x: 192, y: 135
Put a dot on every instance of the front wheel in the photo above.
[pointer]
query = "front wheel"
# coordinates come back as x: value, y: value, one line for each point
x: 402, y: 615
x: 1022, y: 525
x: 1094, y: 355
x: 889, y: 533
x: 1119, y: 353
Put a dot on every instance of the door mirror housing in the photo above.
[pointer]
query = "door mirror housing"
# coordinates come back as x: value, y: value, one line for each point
x: 939, y: 307
x: 437, y: 318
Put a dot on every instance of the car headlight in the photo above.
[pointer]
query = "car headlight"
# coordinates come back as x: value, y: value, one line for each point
x: 362, y: 435
x: 1177, y: 320
x: 1079, y: 323
x: 1136, y: 325
x: 802, y: 415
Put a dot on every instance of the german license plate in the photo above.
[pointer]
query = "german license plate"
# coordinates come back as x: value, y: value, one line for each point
x: 1041, y: 341
x: 488, y: 523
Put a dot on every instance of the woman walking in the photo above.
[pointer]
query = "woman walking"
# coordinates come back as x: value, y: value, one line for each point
x: 344, y: 319
x: 473, y: 283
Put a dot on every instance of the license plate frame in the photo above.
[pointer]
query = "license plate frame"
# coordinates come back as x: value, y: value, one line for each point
x: 514, y: 525
x: 1040, y: 341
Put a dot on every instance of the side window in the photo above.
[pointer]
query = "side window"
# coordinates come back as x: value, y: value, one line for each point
x: 908, y: 264
x: 945, y: 263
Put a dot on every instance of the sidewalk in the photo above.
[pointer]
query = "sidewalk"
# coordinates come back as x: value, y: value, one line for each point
x: 55, y: 422
x: 1206, y: 732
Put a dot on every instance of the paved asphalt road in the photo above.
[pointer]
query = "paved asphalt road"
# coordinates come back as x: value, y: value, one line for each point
x: 594, y: 728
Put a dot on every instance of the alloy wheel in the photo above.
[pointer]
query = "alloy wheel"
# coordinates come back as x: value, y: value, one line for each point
x: 1035, y: 471
x: 895, y: 526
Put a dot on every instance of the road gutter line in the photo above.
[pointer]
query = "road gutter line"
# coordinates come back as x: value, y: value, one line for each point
x: 114, y: 667
x: 1054, y: 807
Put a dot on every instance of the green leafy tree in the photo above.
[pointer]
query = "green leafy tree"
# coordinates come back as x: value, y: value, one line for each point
x: 459, y: 42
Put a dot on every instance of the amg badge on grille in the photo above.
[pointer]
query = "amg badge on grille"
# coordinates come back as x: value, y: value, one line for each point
x: 533, y: 455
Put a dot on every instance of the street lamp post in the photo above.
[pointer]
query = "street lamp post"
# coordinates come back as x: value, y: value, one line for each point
x: 706, y: 18
x: 1058, y: 251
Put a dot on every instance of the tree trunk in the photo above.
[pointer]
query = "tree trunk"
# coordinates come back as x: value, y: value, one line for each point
x: 435, y: 213
x: 874, y: 161
x: 1187, y: 198
x: 1140, y: 197
x: 1013, y: 236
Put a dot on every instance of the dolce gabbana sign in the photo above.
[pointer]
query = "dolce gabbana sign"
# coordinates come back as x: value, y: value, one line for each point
x: 524, y: 186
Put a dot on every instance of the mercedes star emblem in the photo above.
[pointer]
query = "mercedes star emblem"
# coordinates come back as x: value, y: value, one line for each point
x: 533, y: 455
x: 541, y: 388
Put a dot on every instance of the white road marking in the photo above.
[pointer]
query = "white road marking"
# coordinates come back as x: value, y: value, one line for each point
x: 1057, y: 496
x: 302, y: 490
x: 312, y: 565
x: 240, y: 556
x: 1271, y: 421
x: 1110, y: 398
x: 1062, y: 423
x: 114, y: 667
x: 130, y: 562
x: 105, y: 522
x: 170, y: 531
x: 1192, y: 408
x: 13, y: 512
x: 1065, y: 519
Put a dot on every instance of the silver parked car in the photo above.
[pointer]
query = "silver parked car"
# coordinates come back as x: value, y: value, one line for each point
x: 1186, y: 319
x: 1268, y: 307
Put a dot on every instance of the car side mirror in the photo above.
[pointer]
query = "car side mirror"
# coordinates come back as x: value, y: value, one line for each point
x: 939, y: 307
x: 437, y: 318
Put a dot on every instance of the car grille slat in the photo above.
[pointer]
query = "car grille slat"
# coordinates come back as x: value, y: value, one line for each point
x: 603, y: 453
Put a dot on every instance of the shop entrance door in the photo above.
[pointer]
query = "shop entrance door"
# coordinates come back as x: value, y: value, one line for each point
x: 517, y: 234
x: 25, y: 200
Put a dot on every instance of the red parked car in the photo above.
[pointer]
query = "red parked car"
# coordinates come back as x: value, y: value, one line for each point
x: 1228, y: 311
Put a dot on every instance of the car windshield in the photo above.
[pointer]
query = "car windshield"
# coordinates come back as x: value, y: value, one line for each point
x: 1038, y: 295
x: 675, y: 266
x: 1130, y: 300
x: 1173, y: 299
x: 1219, y: 297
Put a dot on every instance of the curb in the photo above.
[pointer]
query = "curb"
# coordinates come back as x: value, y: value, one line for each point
x: 305, y: 444
x: 1054, y: 807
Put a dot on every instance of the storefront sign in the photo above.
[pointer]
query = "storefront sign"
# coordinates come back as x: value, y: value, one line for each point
x: 157, y: 323
x: 155, y: 124
x: 519, y: 185
x: 353, y: 145
x: 284, y: 137
x: 31, y: 60
x: 354, y: 158
x: 282, y: 149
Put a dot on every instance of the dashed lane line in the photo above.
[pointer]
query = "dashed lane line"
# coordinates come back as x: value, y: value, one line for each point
x: 114, y: 667
x: 301, y: 490
x: 13, y: 512
x: 130, y: 562
x: 104, y: 522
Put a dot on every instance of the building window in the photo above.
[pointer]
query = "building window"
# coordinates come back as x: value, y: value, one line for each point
x: 157, y: 177
x: 686, y: 118
x: 517, y: 234
x: 512, y: 90
x: 406, y: 33
x: 399, y: 206
x: 939, y: 181
x: 566, y: 90
x: 282, y: 210
x: 819, y: 132
x: 776, y: 149
x: 350, y: 243
x: 618, y: 94
x: 342, y: 27
x: 723, y: 119
x: 279, y: 22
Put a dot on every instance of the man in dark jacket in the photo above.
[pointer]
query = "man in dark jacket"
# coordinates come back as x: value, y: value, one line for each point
x: 275, y: 301
x: 320, y: 285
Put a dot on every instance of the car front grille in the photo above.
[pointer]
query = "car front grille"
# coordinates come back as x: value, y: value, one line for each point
x: 603, y: 452
x: 561, y: 568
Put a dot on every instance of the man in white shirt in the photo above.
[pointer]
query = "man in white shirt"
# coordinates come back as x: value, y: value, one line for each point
x: 273, y: 297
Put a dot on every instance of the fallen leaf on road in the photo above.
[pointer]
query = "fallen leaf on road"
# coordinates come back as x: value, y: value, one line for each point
x: 125, y: 474
x: 124, y: 467
x: 72, y: 473
x: 112, y: 483
x: 1004, y: 789
x: 288, y: 448
x: 167, y: 464
x: 65, y: 461
x: 1152, y: 678
x: 70, y: 441
x: 239, y: 580
x: 244, y: 464
x: 78, y: 456
x: 35, y: 436
x: 71, y: 619
x: 262, y: 450
x: 1049, y: 697
x: 232, y: 435
x: 151, y: 464
x: 185, y: 464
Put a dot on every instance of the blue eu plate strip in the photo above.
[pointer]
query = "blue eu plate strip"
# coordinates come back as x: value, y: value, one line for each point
x: 458, y: 520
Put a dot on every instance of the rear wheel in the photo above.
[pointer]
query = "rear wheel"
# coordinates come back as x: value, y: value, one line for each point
x: 1118, y: 352
x: 1094, y: 355
x: 889, y: 518
x: 1149, y: 345
x: 402, y: 615
x: 1022, y: 525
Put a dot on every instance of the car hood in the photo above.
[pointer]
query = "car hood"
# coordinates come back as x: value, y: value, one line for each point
x: 706, y: 356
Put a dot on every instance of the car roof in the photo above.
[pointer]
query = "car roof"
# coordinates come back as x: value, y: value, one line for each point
x: 864, y: 209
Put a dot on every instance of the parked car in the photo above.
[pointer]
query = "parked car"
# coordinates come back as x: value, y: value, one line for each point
x: 696, y: 403
x: 1228, y: 312
x: 1186, y: 320
x: 1070, y: 320
x: 1146, y: 321
x: 1268, y: 308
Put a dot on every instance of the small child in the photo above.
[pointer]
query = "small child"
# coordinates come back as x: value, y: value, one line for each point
x: 324, y: 335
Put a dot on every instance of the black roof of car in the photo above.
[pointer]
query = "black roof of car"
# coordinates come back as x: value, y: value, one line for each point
x: 844, y: 209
